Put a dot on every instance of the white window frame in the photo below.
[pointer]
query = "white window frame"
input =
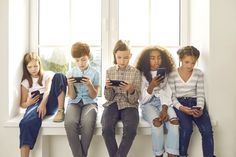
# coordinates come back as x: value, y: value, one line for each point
x: 110, y: 32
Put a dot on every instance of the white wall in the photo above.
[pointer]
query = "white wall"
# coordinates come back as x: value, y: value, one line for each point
x: 4, y: 76
x: 13, y: 44
x: 222, y: 73
x: 212, y: 30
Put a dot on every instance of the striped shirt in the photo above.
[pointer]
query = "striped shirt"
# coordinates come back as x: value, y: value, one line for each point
x: 193, y: 87
x: 121, y: 97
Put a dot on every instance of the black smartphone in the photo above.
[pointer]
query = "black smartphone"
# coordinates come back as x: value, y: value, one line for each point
x: 196, y: 107
x: 116, y: 82
x: 35, y: 93
x: 78, y: 79
x: 161, y: 72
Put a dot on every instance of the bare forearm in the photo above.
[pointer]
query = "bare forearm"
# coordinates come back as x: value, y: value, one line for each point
x: 45, y: 98
x: 92, y: 91
x: 71, y: 92
x: 150, y: 89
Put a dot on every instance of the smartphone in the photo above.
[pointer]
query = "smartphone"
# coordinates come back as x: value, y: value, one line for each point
x: 116, y: 82
x: 35, y: 93
x: 78, y: 79
x: 161, y: 72
x: 196, y: 107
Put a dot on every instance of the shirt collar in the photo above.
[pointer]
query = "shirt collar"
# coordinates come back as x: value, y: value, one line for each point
x: 126, y: 68
x: 84, y: 71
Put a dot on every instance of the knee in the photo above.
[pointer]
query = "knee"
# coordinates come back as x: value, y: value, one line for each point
x: 22, y: 123
x: 107, y: 127
x: 60, y: 79
x: 25, y: 123
x: 107, y: 131
x: 59, y: 76
x: 70, y: 123
x: 186, y: 131
x: 206, y: 133
x: 130, y: 131
x: 157, y: 122
x: 174, y: 121
x: 89, y: 124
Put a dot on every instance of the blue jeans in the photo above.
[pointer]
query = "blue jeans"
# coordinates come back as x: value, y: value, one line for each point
x: 31, y: 123
x: 150, y: 111
x: 130, y: 119
x: 186, y: 128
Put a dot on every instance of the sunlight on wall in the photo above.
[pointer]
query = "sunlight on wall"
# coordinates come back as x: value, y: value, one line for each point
x: 18, y: 45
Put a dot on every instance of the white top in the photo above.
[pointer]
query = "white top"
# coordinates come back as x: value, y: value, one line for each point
x: 163, y: 91
x: 35, y: 85
x: 193, y: 87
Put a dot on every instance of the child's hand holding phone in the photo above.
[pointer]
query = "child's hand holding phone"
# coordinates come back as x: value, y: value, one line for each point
x: 79, y: 79
x: 161, y: 74
x: 196, y: 111
x: 33, y: 98
x: 196, y: 107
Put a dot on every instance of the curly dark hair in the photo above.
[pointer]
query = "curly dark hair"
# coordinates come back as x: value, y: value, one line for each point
x: 143, y: 63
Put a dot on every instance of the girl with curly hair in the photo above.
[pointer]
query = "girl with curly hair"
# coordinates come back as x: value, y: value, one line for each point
x: 156, y: 100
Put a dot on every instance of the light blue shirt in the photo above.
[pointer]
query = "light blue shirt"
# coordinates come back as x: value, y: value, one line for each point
x: 82, y: 92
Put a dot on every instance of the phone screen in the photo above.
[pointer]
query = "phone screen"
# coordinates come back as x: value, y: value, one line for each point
x: 116, y: 82
x: 78, y: 79
x: 161, y: 72
x: 35, y: 93
x: 196, y: 107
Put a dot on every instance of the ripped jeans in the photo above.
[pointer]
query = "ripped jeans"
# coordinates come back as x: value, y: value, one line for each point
x: 186, y: 128
x: 150, y: 111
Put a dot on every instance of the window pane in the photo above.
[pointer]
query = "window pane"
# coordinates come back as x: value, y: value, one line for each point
x: 142, y: 22
x: 147, y: 22
x: 135, y: 54
x: 55, y: 59
x: 134, y: 21
x: 165, y: 22
x: 54, y: 22
x: 58, y: 59
x: 86, y: 21
x: 173, y: 52
x: 61, y: 26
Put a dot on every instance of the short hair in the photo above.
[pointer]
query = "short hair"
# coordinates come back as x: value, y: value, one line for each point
x: 80, y: 49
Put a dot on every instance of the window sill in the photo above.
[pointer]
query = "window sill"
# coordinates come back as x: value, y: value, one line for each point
x: 51, y: 128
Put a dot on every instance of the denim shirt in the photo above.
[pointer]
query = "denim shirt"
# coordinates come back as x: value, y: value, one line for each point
x: 82, y: 92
